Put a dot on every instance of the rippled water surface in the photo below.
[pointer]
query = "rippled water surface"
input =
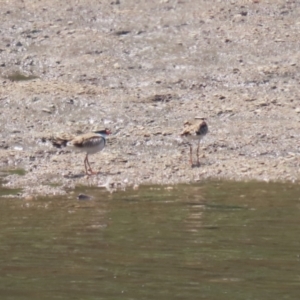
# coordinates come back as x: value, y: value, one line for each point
x: 210, y: 241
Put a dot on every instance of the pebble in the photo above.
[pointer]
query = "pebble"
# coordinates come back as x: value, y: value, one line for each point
x: 84, y: 197
x: 54, y: 158
x: 46, y: 110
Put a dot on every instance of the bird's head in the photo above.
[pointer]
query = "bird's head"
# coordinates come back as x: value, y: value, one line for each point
x: 104, y: 132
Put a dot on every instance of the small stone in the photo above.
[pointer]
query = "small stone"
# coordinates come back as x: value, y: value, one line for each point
x: 46, y: 110
x: 157, y: 133
x: 262, y: 103
x: 84, y: 197
x: 166, y: 133
x: 54, y: 158
x: 237, y: 18
x: 18, y: 148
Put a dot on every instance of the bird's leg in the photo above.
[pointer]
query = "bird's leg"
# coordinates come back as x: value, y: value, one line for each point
x: 87, y: 163
x: 191, y: 155
x: 198, y: 162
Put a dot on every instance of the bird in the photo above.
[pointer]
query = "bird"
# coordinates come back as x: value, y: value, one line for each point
x: 89, y: 143
x: 194, y: 131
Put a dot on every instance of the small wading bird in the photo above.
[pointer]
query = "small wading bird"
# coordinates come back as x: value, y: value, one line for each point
x: 194, y: 131
x: 90, y: 143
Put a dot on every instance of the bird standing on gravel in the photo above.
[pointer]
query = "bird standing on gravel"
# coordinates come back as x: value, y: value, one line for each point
x: 194, y: 131
x: 90, y: 143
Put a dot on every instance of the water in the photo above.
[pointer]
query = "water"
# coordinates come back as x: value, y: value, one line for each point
x: 210, y: 241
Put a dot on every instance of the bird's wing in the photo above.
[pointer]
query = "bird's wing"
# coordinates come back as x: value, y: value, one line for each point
x: 88, y: 140
x: 185, y: 132
x: 61, y: 139
x: 189, y: 128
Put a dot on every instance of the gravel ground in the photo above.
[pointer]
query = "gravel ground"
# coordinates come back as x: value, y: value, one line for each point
x: 142, y: 68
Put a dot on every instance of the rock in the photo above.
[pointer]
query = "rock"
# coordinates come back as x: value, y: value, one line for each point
x: 84, y: 197
x: 46, y: 110
x: 54, y: 158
